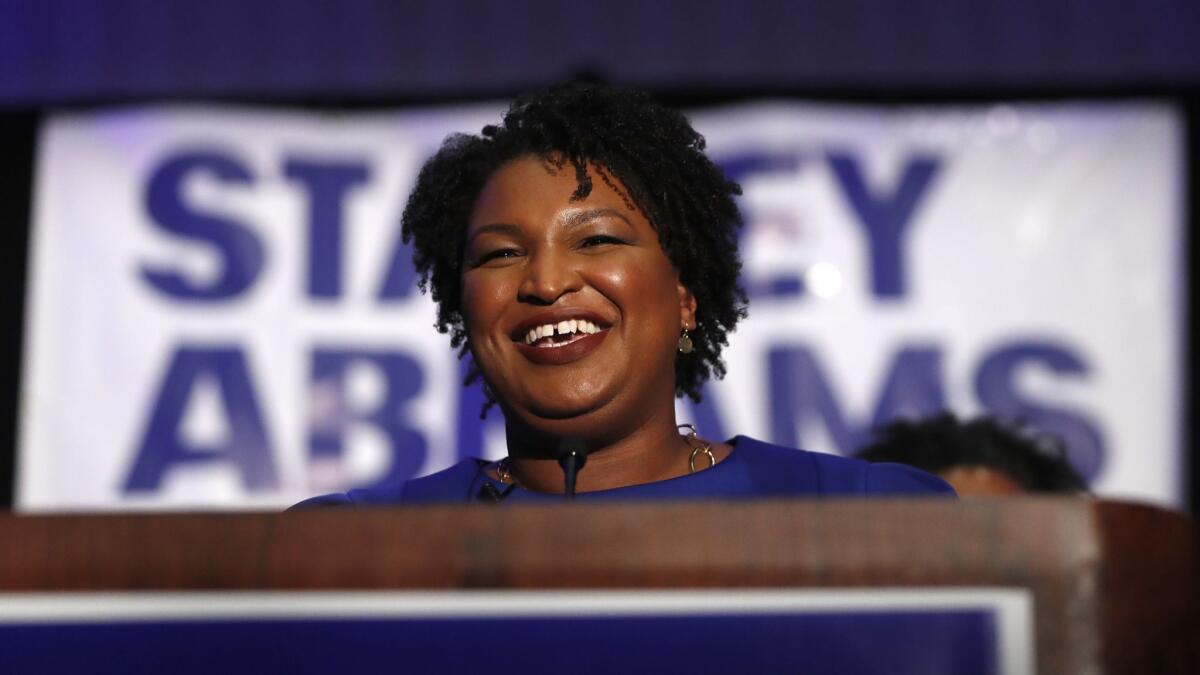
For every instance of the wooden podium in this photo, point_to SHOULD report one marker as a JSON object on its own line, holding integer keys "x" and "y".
{"x": 1113, "y": 586}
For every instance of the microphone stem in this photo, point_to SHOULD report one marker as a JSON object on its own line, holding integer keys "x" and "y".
{"x": 571, "y": 462}
{"x": 569, "y": 478}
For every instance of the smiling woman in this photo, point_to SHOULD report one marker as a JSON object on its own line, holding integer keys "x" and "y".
{"x": 583, "y": 256}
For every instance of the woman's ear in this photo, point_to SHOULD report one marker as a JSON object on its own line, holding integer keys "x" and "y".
{"x": 687, "y": 307}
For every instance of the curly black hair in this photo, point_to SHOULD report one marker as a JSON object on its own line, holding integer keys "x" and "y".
{"x": 1037, "y": 462}
{"x": 646, "y": 147}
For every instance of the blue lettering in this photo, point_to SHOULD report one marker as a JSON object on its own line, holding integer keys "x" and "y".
{"x": 737, "y": 168}
{"x": 403, "y": 380}
{"x": 162, "y": 449}
{"x": 327, "y": 184}
{"x": 996, "y": 387}
{"x": 400, "y": 278}
{"x": 471, "y": 427}
{"x": 885, "y": 218}
{"x": 707, "y": 416}
{"x": 240, "y": 250}
{"x": 800, "y": 394}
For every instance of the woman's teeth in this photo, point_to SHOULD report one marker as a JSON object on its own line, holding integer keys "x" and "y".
{"x": 567, "y": 328}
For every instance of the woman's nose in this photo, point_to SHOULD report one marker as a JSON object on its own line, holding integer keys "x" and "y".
{"x": 548, "y": 276}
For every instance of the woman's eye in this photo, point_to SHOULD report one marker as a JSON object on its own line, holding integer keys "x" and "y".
{"x": 497, "y": 255}
{"x": 600, "y": 240}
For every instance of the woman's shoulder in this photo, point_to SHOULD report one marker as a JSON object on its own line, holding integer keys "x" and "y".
{"x": 452, "y": 484}
{"x": 783, "y": 470}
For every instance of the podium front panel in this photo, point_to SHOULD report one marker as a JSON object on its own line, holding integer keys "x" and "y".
{"x": 832, "y": 631}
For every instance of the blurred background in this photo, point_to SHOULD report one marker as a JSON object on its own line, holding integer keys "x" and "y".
{"x": 984, "y": 207}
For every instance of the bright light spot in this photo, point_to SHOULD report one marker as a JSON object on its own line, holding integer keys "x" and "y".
{"x": 1003, "y": 121}
{"x": 365, "y": 387}
{"x": 1041, "y": 136}
{"x": 1032, "y": 235}
{"x": 823, "y": 279}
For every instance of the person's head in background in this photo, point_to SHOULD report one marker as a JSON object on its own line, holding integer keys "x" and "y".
{"x": 979, "y": 457}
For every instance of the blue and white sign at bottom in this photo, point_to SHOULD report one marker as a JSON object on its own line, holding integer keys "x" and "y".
{"x": 896, "y": 631}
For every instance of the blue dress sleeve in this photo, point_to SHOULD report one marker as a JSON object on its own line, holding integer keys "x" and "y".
{"x": 900, "y": 480}
{"x": 335, "y": 499}
{"x": 379, "y": 496}
{"x": 454, "y": 485}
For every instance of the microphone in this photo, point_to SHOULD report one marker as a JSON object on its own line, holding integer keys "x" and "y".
{"x": 571, "y": 457}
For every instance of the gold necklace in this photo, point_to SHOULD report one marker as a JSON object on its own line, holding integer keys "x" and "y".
{"x": 504, "y": 466}
{"x": 698, "y": 448}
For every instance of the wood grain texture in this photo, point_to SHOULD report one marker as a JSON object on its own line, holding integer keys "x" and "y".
{"x": 1149, "y": 589}
{"x": 1112, "y": 583}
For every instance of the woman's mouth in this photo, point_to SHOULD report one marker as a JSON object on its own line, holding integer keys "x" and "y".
{"x": 551, "y": 336}
{"x": 562, "y": 342}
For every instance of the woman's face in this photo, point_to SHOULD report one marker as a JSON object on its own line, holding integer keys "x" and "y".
{"x": 572, "y": 308}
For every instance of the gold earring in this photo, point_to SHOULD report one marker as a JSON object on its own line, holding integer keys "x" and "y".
{"x": 685, "y": 343}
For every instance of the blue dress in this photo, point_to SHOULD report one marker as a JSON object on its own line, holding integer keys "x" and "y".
{"x": 753, "y": 470}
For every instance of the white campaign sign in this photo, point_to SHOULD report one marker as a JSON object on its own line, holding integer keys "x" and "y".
{"x": 221, "y": 314}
